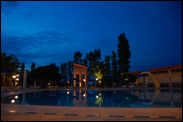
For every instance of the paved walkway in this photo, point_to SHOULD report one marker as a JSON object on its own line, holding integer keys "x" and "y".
{"x": 14, "y": 112}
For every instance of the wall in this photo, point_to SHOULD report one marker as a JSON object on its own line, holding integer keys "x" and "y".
{"x": 163, "y": 77}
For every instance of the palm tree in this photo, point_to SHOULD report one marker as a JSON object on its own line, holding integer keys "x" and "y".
{"x": 10, "y": 62}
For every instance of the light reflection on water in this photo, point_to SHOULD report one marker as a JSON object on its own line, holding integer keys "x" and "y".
{"x": 154, "y": 98}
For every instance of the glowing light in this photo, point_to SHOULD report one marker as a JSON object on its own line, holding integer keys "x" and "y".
{"x": 12, "y": 111}
{"x": 12, "y": 101}
{"x": 83, "y": 79}
{"x": 97, "y": 96}
{"x": 99, "y": 81}
{"x": 100, "y": 94}
{"x": 126, "y": 79}
{"x": 67, "y": 92}
{"x": 17, "y": 78}
{"x": 16, "y": 97}
{"x": 83, "y": 95}
{"x": 127, "y": 97}
{"x": 14, "y": 76}
{"x": 17, "y": 75}
{"x": 96, "y": 78}
{"x": 67, "y": 81}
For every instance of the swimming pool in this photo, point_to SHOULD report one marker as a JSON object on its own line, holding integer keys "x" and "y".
{"x": 140, "y": 98}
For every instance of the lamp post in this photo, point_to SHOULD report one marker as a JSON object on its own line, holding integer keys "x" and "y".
{"x": 68, "y": 83}
{"x": 14, "y": 78}
{"x": 84, "y": 81}
{"x": 96, "y": 80}
{"x": 17, "y": 79}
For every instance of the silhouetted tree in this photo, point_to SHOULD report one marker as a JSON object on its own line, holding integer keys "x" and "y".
{"x": 77, "y": 57}
{"x": 124, "y": 54}
{"x": 33, "y": 66}
{"x": 107, "y": 65}
{"x": 114, "y": 64}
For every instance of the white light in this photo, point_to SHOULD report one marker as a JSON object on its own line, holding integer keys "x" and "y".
{"x": 16, "y": 97}
{"x": 96, "y": 78}
{"x": 67, "y": 92}
{"x": 97, "y": 96}
{"x": 83, "y": 79}
{"x": 83, "y": 95}
{"x": 17, "y": 79}
{"x": 14, "y": 76}
{"x": 12, "y": 101}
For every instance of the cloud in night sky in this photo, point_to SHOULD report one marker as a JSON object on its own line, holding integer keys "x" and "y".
{"x": 46, "y": 32}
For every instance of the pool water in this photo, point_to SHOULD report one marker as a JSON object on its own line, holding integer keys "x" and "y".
{"x": 154, "y": 98}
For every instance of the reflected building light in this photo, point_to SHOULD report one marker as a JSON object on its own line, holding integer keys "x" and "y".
{"x": 12, "y": 101}
{"x": 16, "y": 97}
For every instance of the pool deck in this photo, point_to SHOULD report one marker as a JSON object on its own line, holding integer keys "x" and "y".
{"x": 12, "y": 112}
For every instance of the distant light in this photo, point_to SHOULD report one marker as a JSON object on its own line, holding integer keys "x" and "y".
{"x": 12, "y": 101}
{"x": 126, "y": 79}
{"x": 100, "y": 94}
{"x": 12, "y": 111}
{"x": 16, "y": 97}
{"x": 17, "y": 78}
{"x": 83, "y": 95}
{"x": 67, "y": 81}
{"x": 67, "y": 92}
{"x": 97, "y": 96}
{"x": 17, "y": 75}
{"x": 14, "y": 76}
{"x": 127, "y": 97}
{"x": 99, "y": 81}
{"x": 96, "y": 78}
{"x": 83, "y": 79}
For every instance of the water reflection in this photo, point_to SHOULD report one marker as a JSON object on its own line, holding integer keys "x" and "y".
{"x": 124, "y": 98}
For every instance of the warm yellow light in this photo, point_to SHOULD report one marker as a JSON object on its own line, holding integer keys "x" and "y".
{"x": 83, "y": 95}
{"x": 12, "y": 101}
{"x": 14, "y": 76}
{"x": 17, "y": 78}
{"x": 12, "y": 111}
{"x": 67, "y": 81}
{"x": 96, "y": 78}
{"x": 17, "y": 75}
{"x": 67, "y": 92}
{"x": 97, "y": 96}
{"x": 16, "y": 97}
{"x": 83, "y": 79}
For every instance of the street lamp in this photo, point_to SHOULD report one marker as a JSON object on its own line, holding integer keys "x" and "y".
{"x": 68, "y": 83}
{"x": 84, "y": 80}
{"x": 17, "y": 79}
{"x": 14, "y": 78}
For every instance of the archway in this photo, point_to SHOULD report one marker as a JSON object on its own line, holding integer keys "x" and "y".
{"x": 80, "y": 70}
{"x": 156, "y": 82}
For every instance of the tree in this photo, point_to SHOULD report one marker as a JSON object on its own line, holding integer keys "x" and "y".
{"x": 107, "y": 65}
{"x": 128, "y": 78}
{"x": 77, "y": 57}
{"x": 124, "y": 54}
{"x": 10, "y": 62}
{"x": 46, "y": 73}
{"x": 32, "y": 66}
{"x": 114, "y": 64}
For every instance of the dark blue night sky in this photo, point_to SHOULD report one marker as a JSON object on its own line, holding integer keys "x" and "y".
{"x": 52, "y": 31}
